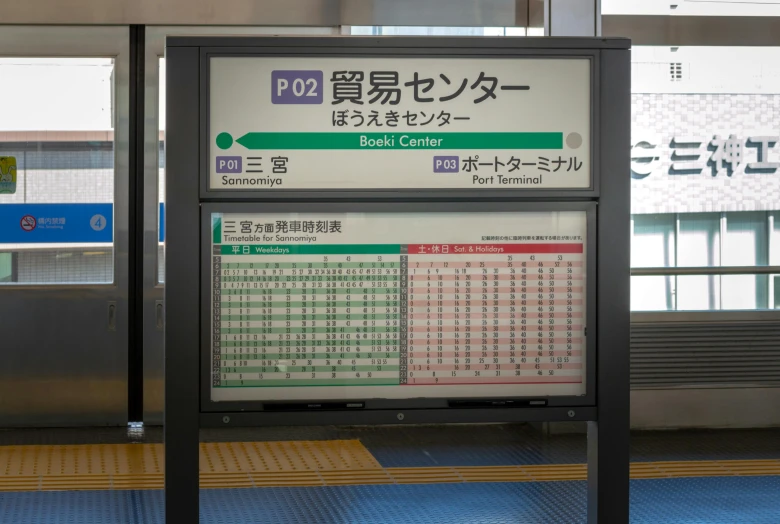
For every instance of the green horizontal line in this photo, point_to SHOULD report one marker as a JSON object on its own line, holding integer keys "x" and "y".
{"x": 228, "y": 304}
{"x": 320, "y": 345}
{"x": 298, "y": 292}
{"x": 278, "y": 318}
{"x": 310, "y": 265}
{"x": 307, "y": 383}
{"x": 302, "y": 356}
{"x": 323, "y": 249}
{"x": 461, "y": 141}
{"x": 312, "y": 278}
{"x": 336, "y": 330}
{"x": 322, "y": 368}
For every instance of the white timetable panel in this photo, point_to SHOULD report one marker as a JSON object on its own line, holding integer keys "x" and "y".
{"x": 393, "y": 305}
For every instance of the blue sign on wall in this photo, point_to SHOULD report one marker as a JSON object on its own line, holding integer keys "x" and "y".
{"x": 61, "y": 223}
{"x": 162, "y": 222}
{"x": 56, "y": 223}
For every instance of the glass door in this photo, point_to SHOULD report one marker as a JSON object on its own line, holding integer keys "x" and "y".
{"x": 154, "y": 195}
{"x": 63, "y": 225}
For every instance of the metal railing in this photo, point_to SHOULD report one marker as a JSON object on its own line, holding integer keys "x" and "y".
{"x": 706, "y": 270}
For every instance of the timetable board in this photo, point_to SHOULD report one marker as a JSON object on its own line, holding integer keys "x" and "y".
{"x": 348, "y": 306}
{"x": 398, "y": 230}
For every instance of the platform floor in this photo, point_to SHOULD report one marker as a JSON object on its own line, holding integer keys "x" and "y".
{"x": 670, "y": 501}
{"x": 452, "y": 474}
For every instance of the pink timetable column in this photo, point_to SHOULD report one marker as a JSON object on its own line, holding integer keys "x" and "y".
{"x": 495, "y": 313}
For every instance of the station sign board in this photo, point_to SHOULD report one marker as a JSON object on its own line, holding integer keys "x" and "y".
{"x": 399, "y": 123}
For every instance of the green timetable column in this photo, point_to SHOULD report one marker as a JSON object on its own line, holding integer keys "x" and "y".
{"x": 216, "y": 353}
{"x": 310, "y": 315}
{"x": 244, "y": 322}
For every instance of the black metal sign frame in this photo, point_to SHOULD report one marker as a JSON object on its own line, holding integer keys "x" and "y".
{"x": 607, "y": 202}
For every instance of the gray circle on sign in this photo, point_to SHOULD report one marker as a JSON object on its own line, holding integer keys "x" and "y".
{"x": 574, "y": 140}
{"x": 98, "y": 222}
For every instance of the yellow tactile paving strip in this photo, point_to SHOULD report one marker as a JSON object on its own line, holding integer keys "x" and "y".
{"x": 299, "y": 463}
{"x": 289, "y": 456}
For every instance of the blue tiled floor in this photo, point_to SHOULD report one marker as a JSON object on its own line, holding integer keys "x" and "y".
{"x": 719, "y": 500}
{"x": 500, "y": 445}
{"x": 67, "y": 507}
{"x": 487, "y": 445}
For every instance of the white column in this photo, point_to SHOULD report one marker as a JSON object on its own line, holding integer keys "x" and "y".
{"x": 572, "y": 17}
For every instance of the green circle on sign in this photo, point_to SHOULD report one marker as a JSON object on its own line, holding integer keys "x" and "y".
{"x": 224, "y": 140}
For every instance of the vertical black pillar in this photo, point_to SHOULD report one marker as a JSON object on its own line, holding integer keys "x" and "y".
{"x": 609, "y": 436}
{"x": 135, "y": 300}
{"x": 182, "y": 295}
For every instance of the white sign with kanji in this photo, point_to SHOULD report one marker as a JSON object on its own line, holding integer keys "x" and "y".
{"x": 390, "y": 123}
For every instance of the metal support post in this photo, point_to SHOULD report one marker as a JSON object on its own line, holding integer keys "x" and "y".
{"x": 182, "y": 407}
{"x": 609, "y": 436}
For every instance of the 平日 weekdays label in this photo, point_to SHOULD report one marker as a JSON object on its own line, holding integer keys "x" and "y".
{"x": 390, "y": 123}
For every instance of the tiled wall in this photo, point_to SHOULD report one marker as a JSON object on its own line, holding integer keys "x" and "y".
{"x": 662, "y": 117}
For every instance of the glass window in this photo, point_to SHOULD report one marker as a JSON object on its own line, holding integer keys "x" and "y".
{"x": 442, "y": 31}
{"x": 745, "y": 243}
{"x": 703, "y": 240}
{"x": 6, "y": 267}
{"x": 652, "y": 245}
{"x": 706, "y": 156}
{"x": 691, "y": 7}
{"x": 773, "y": 225}
{"x": 698, "y": 244}
{"x": 161, "y": 178}
{"x": 56, "y": 224}
{"x": 435, "y": 31}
